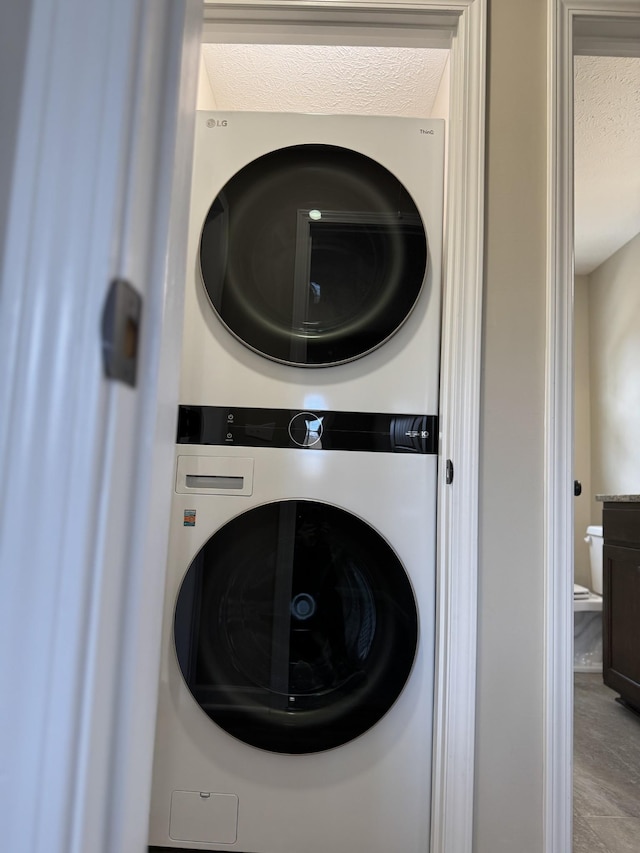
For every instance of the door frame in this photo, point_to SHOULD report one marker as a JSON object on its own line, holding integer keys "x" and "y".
{"x": 596, "y": 27}
{"x": 461, "y": 27}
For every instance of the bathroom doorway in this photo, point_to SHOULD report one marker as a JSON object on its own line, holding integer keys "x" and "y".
{"x": 606, "y": 421}
{"x": 595, "y": 28}
{"x": 607, "y": 226}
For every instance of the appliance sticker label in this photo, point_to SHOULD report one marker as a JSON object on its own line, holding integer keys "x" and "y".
{"x": 189, "y": 518}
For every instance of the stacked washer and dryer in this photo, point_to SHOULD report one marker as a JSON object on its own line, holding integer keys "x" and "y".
{"x": 296, "y": 693}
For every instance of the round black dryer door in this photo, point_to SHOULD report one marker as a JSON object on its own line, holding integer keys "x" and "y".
{"x": 296, "y": 627}
{"x": 313, "y": 255}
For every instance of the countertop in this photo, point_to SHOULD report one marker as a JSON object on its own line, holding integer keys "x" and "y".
{"x": 621, "y": 499}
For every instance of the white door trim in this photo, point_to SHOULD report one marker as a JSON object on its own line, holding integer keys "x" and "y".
{"x": 462, "y": 27}
{"x": 575, "y": 26}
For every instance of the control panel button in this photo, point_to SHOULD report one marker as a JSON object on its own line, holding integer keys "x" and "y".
{"x": 305, "y": 429}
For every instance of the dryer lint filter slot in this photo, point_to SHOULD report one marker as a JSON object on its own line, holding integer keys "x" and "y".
{"x": 214, "y": 475}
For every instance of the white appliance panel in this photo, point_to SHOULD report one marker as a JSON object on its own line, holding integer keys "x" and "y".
{"x": 372, "y": 793}
{"x": 401, "y": 375}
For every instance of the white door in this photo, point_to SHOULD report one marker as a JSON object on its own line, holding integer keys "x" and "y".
{"x": 81, "y": 571}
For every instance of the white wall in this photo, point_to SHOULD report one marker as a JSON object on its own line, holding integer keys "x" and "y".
{"x": 509, "y": 767}
{"x": 614, "y": 332}
{"x": 607, "y": 389}
{"x": 205, "y": 99}
{"x": 440, "y": 108}
{"x": 582, "y": 434}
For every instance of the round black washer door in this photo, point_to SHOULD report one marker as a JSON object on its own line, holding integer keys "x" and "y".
{"x": 313, "y": 255}
{"x": 296, "y": 627}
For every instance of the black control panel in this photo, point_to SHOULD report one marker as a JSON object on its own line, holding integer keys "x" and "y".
{"x": 309, "y": 430}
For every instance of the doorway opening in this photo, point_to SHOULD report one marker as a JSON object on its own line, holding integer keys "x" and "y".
{"x": 606, "y": 417}
{"x": 460, "y": 32}
{"x": 590, "y": 29}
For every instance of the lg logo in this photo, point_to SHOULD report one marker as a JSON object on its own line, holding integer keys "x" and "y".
{"x": 212, "y": 122}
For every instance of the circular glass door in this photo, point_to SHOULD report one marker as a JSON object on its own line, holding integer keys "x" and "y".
{"x": 313, "y": 255}
{"x": 296, "y": 627}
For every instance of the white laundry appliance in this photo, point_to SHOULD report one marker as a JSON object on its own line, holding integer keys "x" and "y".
{"x": 296, "y": 692}
{"x": 314, "y": 262}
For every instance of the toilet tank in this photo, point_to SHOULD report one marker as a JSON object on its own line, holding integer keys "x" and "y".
{"x": 594, "y": 540}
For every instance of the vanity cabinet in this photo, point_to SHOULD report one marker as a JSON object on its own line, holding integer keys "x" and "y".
{"x": 621, "y": 599}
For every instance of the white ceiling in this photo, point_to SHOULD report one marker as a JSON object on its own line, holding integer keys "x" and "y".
{"x": 406, "y": 81}
{"x": 324, "y": 79}
{"x": 607, "y": 157}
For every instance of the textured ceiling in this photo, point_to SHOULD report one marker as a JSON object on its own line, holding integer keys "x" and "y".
{"x": 323, "y": 79}
{"x": 607, "y": 157}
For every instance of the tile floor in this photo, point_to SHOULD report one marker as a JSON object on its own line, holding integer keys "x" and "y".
{"x": 606, "y": 780}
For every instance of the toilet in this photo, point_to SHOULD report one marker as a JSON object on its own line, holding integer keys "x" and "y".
{"x": 587, "y": 610}
{"x": 595, "y": 541}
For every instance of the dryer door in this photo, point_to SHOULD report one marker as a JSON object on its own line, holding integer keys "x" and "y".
{"x": 296, "y": 627}
{"x": 313, "y": 255}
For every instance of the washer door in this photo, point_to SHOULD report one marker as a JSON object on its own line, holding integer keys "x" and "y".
{"x": 313, "y": 255}
{"x": 296, "y": 627}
